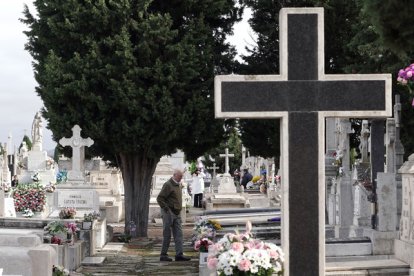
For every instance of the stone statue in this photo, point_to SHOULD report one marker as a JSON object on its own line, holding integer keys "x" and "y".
{"x": 363, "y": 146}
{"x": 37, "y": 128}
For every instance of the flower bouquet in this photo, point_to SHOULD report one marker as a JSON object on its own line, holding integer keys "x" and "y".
{"x": 61, "y": 177}
{"x": 240, "y": 254}
{"x": 406, "y": 78}
{"x": 59, "y": 271}
{"x": 88, "y": 219}
{"x": 31, "y": 196}
{"x": 202, "y": 245}
{"x": 67, "y": 213}
{"x": 91, "y": 216}
{"x": 205, "y": 228}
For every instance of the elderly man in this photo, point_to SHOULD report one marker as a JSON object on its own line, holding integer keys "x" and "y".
{"x": 170, "y": 201}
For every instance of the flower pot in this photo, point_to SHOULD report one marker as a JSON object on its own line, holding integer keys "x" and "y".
{"x": 87, "y": 225}
{"x": 203, "y": 258}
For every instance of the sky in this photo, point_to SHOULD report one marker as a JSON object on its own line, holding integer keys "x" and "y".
{"x": 18, "y": 99}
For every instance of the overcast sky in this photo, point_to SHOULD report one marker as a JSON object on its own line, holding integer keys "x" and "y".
{"x": 18, "y": 99}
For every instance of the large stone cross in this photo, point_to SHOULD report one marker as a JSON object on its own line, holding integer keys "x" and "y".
{"x": 226, "y": 156}
{"x": 78, "y": 155}
{"x": 302, "y": 96}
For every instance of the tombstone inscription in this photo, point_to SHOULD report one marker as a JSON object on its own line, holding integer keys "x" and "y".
{"x": 302, "y": 99}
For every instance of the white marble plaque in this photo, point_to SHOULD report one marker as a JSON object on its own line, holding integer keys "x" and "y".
{"x": 76, "y": 198}
{"x": 101, "y": 181}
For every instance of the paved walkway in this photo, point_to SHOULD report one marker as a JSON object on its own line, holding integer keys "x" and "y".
{"x": 141, "y": 255}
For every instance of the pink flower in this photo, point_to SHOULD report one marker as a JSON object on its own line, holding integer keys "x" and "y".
{"x": 244, "y": 265}
{"x": 273, "y": 254}
{"x": 212, "y": 262}
{"x": 237, "y": 246}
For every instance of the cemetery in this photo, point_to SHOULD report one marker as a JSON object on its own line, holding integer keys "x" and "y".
{"x": 323, "y": 207}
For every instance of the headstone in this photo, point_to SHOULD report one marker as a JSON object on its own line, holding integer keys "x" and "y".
{"x": 226, "y": 157}
{"x": 78, "y": 155}
{"x": 297, "y": 100}
{"x": 214, "y": 168}
{"x": 76, "y": 191}
{"x": 108, "y": 183}
{"x": 162, "y": 173}
{"x": 345, "y": 204}
{"x": 404, "y": 245}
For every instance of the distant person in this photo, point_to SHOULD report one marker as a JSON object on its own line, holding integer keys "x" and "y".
{"x": 170, "y": 201}
{"x": 246, "y": 178}
{"x": 236, "y": 176}
{"x": 197, "y": 188}
{"x": 15, "y": 181}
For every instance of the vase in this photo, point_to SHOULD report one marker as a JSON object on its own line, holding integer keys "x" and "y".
{"x": 203, "y": 258}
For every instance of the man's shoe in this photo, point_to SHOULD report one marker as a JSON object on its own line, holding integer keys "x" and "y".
{"x": 165, "y": 259}
{"x": 181, "y": 258}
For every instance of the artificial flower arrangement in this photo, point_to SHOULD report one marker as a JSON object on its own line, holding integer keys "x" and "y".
{"x": 202, "y": 244}
{"x": 205, "y": 228}
{"x": 61, "y": 177}
{"x": 406, "y": 77}
{"x": 241, "y": 254}
{"x": 6, "y": 187}
{"x": 50, "y": 188}
{"x": 59, "y": 271}
{"x": 55, "y": 227}
{"x": 29, "y": 196}
{"x": 27, "y": 213}
{"x": 67, "y": 213}
{"x": 72, "y": 227}
{"x": 91, "y": 216}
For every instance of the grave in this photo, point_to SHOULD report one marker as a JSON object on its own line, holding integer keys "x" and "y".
{"x": 23, "y": 253}
{"x": 302, "y": 102}
{"x": 76, "y": 192}
{"x": 227, "y": 196}
{"x": 36, "y": 160}
{"x": 404, "y": 244}
{"x": 108, "y": 183}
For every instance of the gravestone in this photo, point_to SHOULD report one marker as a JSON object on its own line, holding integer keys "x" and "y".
{"x": 345, "y": 199}
{"x": 227, "y": 196}
{"x": 76, "y": 192}
{"x": 163, "y": 172}
{"x": 302, "y": 101}
{"x": 108, "y": 183}
{"x": 404, "y": 245}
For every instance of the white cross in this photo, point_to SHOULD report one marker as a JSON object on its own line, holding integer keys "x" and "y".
{"x": 78, "y": 155}
{"x": 214, "y": 167}
{"x": 226, "y": 156}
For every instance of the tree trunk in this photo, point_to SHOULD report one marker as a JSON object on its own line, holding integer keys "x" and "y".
{"x": 137, "y": 171}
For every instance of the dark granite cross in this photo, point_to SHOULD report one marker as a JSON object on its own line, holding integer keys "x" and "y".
{"x": 302, "y": 96}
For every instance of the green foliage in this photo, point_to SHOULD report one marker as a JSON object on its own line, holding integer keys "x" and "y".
{"x": 392, "y": 20}
{"x": 28, "y": 142}
{"x": 55, "y": 227}
{"x": 136, "y": 76}
{"x": 233, "y": 143}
